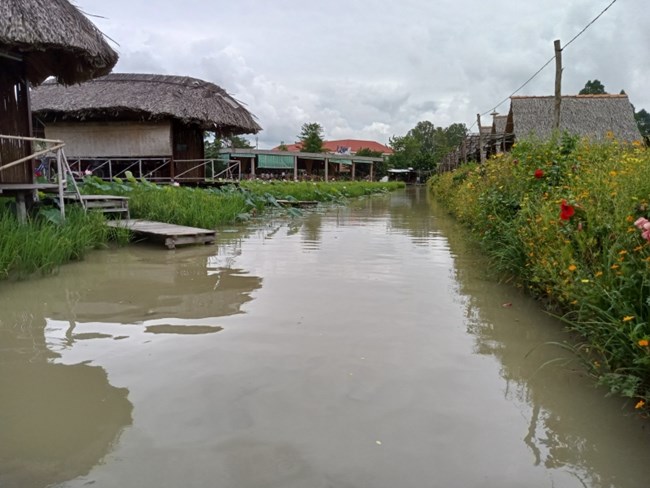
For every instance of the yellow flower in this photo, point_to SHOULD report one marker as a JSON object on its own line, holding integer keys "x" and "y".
{"x": 572, "y": 267}
{"x": 629, "y": 218}
{"x": 643, "y": 342}
{"x": 614, "y": 266}
{"x": 627, "y": 318}
{"x": 622, "y": 252}
{"x": 599, "y": 273}
{"x": 612, "y": 173}
{"x": 584, "y": 281}
{"x": 640, "y": 404}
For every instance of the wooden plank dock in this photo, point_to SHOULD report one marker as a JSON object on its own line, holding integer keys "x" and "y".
{"x": 170, "y": 235}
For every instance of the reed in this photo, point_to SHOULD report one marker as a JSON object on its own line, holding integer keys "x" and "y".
{"x": 41, "y": 246}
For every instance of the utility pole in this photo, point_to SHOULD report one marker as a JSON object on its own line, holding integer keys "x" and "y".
{"x": 480, "y": 138}
{"x": 558, "y": 84}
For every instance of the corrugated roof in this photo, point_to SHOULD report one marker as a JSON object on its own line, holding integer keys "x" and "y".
{"x": 350, "y": 145}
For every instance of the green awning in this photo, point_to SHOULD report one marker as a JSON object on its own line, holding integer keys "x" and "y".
{"x": 347, "y": 162}
{"x": 362, "y": 162}
{"x": 273, "y": 161}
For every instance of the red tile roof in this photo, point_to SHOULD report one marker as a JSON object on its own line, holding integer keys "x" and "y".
{"x": 343, "y": 145}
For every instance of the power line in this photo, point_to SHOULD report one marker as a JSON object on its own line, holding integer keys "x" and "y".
{"x": 546, "y": 64}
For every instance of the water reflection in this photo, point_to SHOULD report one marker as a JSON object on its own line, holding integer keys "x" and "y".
{"x": 56, "y": 421}
{"x": 154, "y": 287}
{"x": 569, "y": 423}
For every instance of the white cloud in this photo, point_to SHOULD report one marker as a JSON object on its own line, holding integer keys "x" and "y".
{"x": 373, "y": 69}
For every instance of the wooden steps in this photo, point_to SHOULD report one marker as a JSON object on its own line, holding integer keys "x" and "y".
{"x": 103, "y": 203}
{"x": 168, "y": 234}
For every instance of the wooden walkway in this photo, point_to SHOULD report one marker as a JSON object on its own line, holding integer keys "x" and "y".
{"x": 169, "y": 234}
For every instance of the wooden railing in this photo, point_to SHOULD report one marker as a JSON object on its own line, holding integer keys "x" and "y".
{"x": 53, "y": 149}
{"x": 151, "y": 168}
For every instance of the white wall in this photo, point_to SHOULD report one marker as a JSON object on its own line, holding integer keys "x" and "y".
{"x": 112, "y": 139}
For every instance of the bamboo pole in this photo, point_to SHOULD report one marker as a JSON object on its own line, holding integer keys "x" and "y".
{"x": 558, "y": 84}
{"x": 61, "y": 180}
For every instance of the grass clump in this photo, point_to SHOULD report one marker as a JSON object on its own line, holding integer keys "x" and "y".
{"x": 42, "y": 244}
{"x": 557, "y": 218}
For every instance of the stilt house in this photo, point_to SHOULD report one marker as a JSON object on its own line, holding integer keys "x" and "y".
{"x": 158, "y": 120}
{"x": 38, "y": 39}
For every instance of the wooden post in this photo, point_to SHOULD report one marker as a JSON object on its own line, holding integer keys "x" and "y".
{"x": 354, "y": 170}
{"x": 327, "y": 163}
{"x": 558, "y": 84}
{"x": 253, "y": 167}
{"x": 295, "y": 168}
{"x": 480, "y": 139}
{"x": 61, "y": 176}
{"x": 372, "y": 170}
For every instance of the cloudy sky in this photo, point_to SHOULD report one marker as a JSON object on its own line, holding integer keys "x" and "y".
{"x": 371, "y": 69}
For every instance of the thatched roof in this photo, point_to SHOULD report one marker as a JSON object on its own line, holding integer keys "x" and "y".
{"x": 499, "y": 124}
{"x": 145, "y": 97}
{"x": 54, "y": 39}
{"x": 592, "y": 116}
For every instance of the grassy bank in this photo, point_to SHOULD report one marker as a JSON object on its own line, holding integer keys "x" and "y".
{"x": 558, "y": 218}
{"x": 41, "y": 245}
{"x": 213, "y": 207}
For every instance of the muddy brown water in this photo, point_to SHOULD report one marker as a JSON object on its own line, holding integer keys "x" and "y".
{"x": 359, "y": 346}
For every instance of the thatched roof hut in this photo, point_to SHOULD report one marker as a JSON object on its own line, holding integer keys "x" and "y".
{"x": 38, "y": 39}
{"x": 145, "y": 97}
{"x": 53, "y": 38}
{"x": 592, "y": 116}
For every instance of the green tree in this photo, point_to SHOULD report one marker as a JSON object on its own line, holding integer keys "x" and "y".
{"x": 311, "y": 137}
{"x": 213, "y": 144}
{"x": 643, "y": 123}
{"x": 425, "y": 145}
{"x": 282, "y": 146}
{"x": 594, "y": 87}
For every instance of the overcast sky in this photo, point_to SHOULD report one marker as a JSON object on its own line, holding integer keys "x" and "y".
{"x": 371, "y": 69}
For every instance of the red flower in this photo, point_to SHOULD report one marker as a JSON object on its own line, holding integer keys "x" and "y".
{"x": 539, "y": 173}
{"x": 566, "y": 210}
{"x": 38, "y": 174}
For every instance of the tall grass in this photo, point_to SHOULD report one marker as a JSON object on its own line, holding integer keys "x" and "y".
{"x": 41, "y": 246}
{"x": 588, "y": 264}
{"x": 213, "y": 207}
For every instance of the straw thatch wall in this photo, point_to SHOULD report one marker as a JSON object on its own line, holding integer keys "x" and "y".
{"x": 123, "y": 96}
{"x": 499, "y": 124}
{"x": 53, "y": 38}
{"x": 592, "y": 116}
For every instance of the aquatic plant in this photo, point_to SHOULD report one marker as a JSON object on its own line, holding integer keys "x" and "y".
{"x": 41, "y": 245}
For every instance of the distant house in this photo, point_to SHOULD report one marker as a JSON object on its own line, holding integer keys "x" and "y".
{"x": 145, "y": 117}
{"x": 347, "y": 146}
{"x": 592, "y": 116}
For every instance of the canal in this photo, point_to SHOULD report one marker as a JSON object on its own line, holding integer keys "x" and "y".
{"x": 353, "y": 347}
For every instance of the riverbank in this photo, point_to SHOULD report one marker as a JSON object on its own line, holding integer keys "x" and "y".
{"x": 44, "y": 243}
{"x": 558, "y": 219}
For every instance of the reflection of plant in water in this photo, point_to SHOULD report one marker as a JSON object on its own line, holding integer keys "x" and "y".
{"x": 57, "y": 421}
